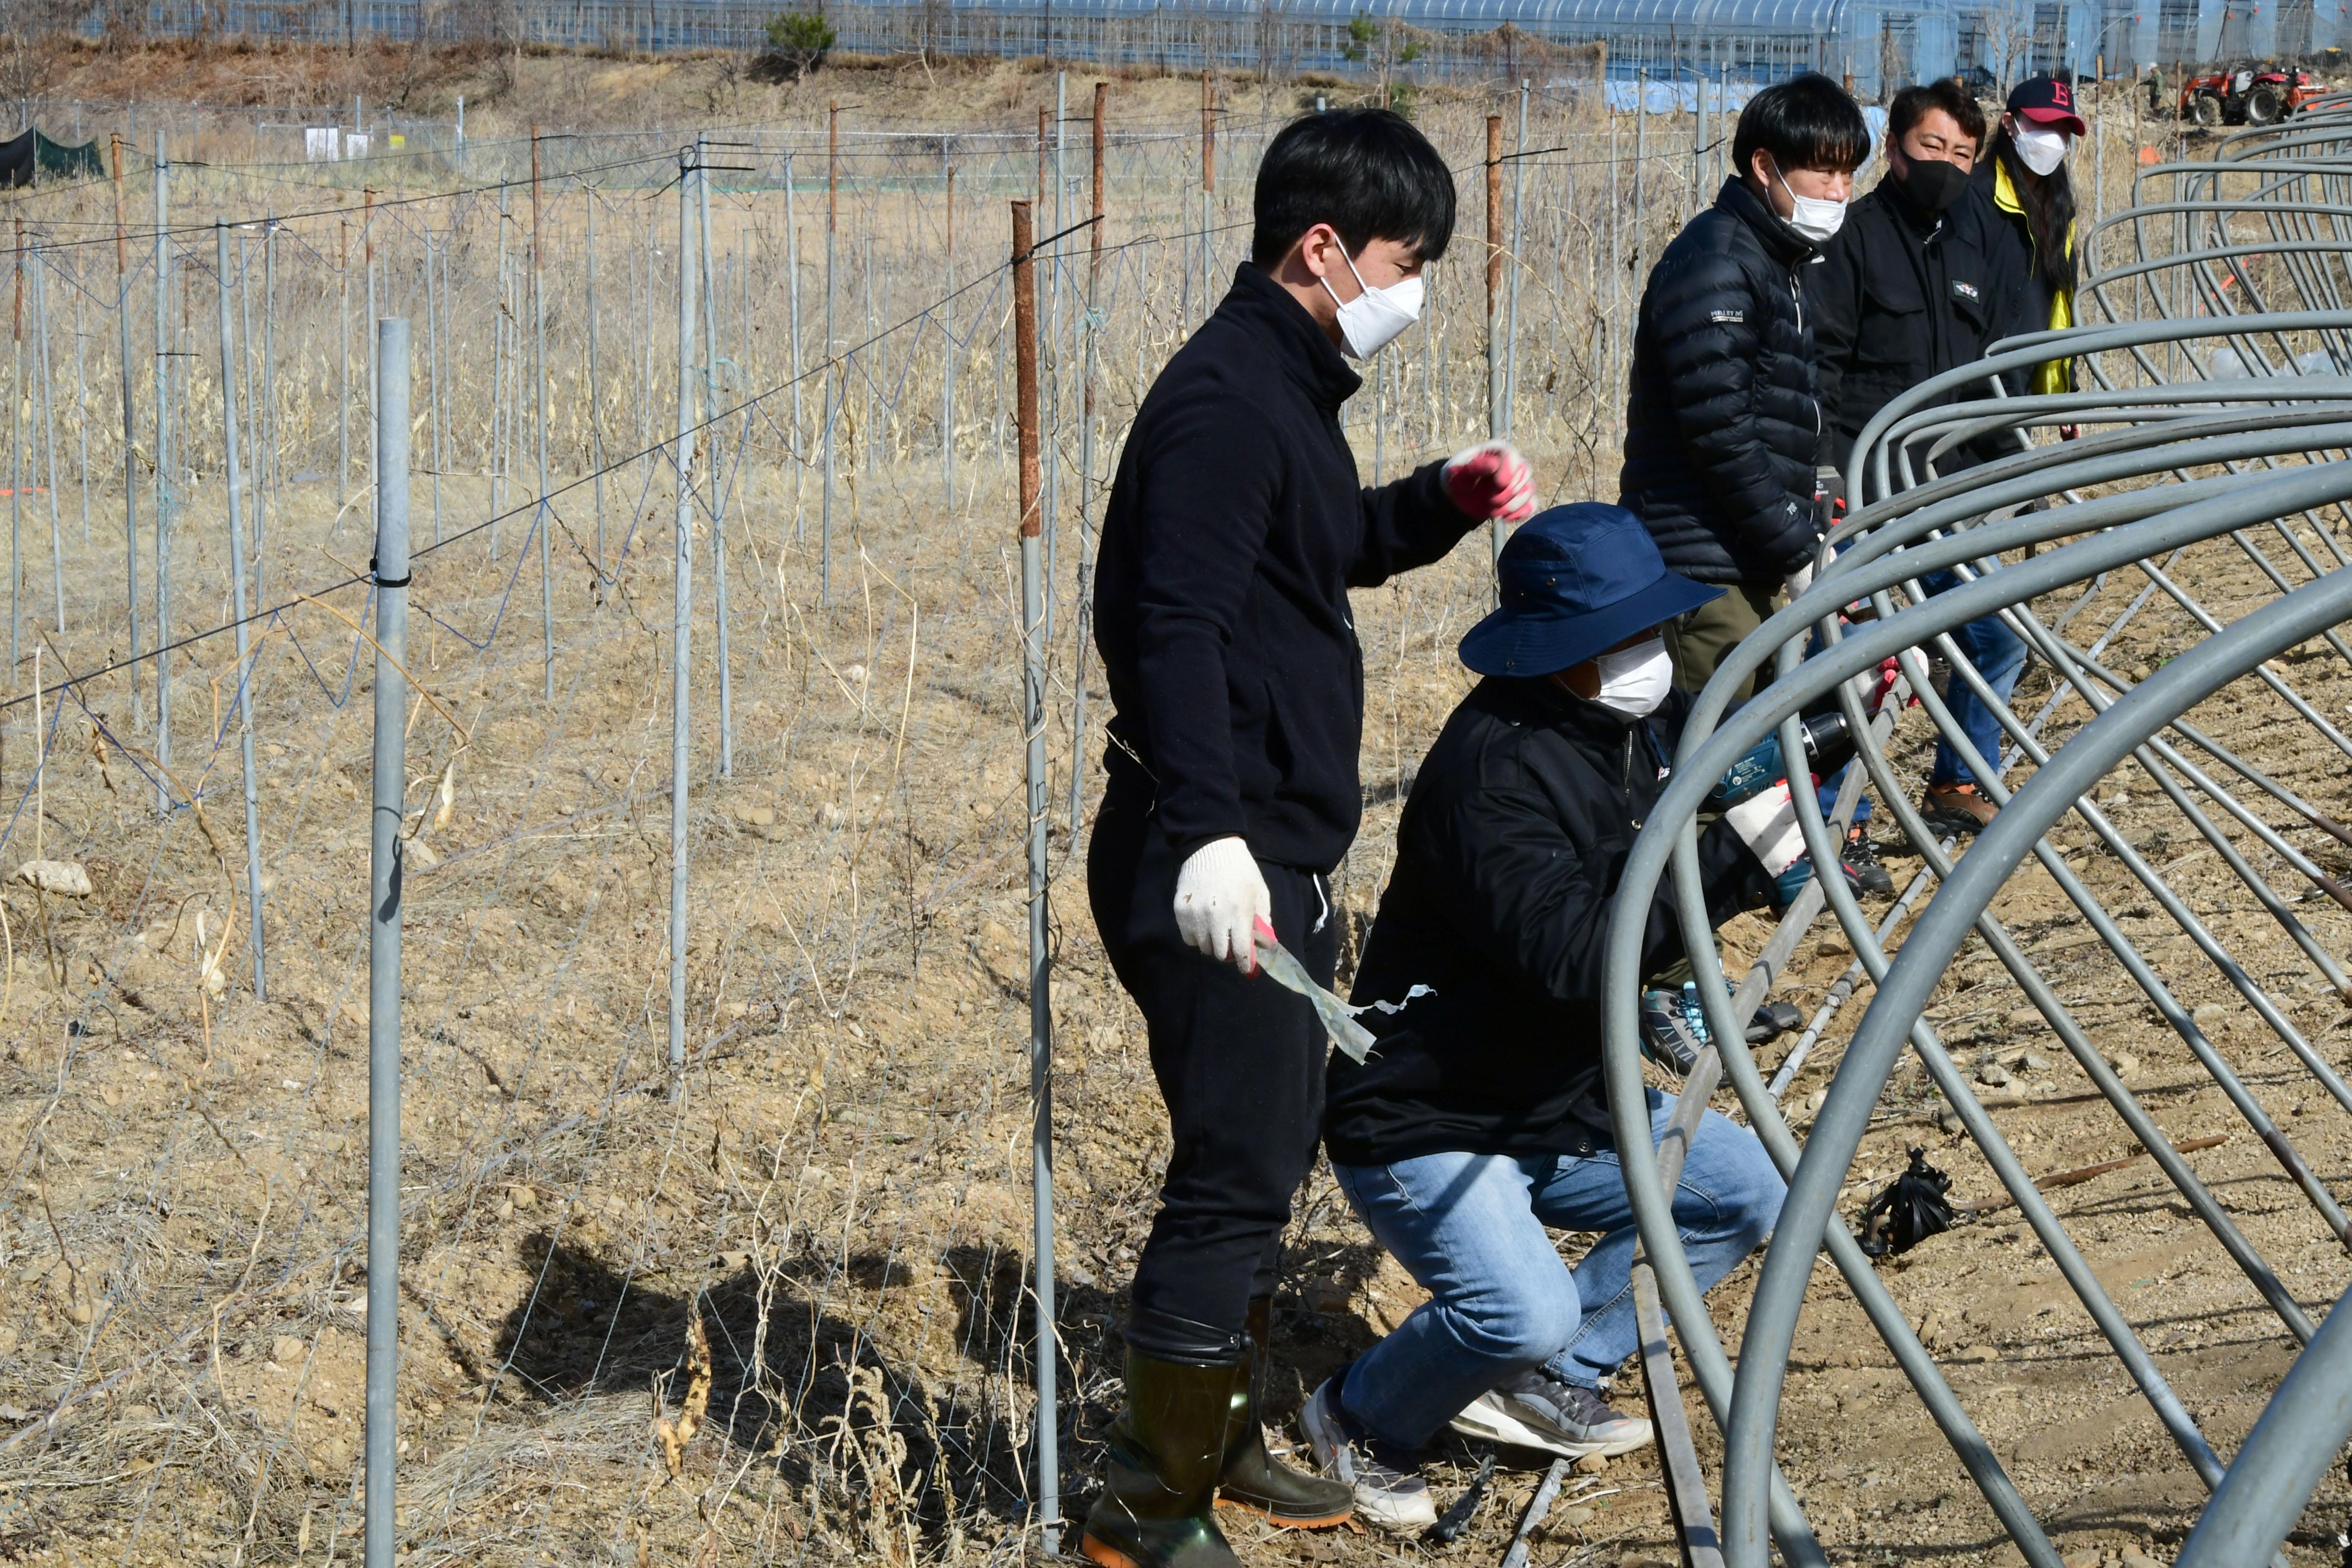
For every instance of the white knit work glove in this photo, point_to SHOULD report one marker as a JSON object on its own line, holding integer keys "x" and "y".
{"x": 1797, "y": 581}
{"x": 1767, "y": 824}
{"x": 1221, "y": 897}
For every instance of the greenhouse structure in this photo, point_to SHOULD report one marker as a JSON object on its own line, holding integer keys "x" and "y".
{"x": 1875, "y": 46}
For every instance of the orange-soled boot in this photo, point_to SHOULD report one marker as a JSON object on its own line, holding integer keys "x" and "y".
{"x": 1166, "y": 1450}
{"x": 1253, "y": 1477}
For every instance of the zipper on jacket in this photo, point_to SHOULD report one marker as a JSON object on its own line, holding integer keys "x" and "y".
{"x": 1797, "y": 294}
{"x": 1626, "y": 780}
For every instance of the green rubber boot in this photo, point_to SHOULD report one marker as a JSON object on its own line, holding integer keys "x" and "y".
{"x": 1256, "y": 1479}
{"x": 1166, "y": 1450}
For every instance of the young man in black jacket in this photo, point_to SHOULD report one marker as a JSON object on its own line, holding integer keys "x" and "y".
{"x": 1480, "y": 1117}
{"x": 1722, "y": 426}
{"x": 1237, "y": 526}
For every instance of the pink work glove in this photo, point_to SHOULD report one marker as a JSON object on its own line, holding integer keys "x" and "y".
{"x": 1491, "y": 483}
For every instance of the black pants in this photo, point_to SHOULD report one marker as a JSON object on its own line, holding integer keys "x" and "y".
{"x": 1240, "y": 1066}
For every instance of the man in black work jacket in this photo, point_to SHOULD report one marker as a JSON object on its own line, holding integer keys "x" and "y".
{"x": 1235, "y": 528}
{"x": 1903, "y": 290}
{"x": 1480, "y": 1121}
{"x": 1723, "y": 426}
{"x": 1916, "y": 285}
{"x": 1905, "y": 293}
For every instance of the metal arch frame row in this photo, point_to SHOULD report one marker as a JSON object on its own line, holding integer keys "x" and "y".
{"x": 2281, "y": 441}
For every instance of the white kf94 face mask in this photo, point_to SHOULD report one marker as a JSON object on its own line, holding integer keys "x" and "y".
{"x": 2039, "y": 150}
{"x": 1635, "y": 681}
{"x": 1815, "y": 217}
{"x": 1372, "y": 321}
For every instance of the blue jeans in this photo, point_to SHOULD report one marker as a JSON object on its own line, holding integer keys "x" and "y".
{"x": 1471, "y": 1229}
{"x": 1997, "y": 655}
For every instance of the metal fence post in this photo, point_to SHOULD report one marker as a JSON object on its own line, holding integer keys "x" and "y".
{"x": 237, "y": 601}
{"x": 710, "y": 406}
{"x": 1041, "y": 1007}
{"x": 1498, "y": 421}
{"x": 825, "y": 410}
{"x": 544, "y": 520}
{"x": 129, "y": 442}
{"x": 681, "y": 630}
{"x": 1089, "y": 355}
{"x": 162, "y": 458}
{"x": 391, "y": 473}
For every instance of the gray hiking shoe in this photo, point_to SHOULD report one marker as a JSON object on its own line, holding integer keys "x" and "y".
{"x": 1673, "y": 1029}
{"x": 1389, "y": 1489}
{"x": 1536, "y": 1410}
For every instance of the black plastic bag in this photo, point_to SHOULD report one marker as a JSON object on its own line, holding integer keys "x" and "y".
{"x": 1911, "y": 1209}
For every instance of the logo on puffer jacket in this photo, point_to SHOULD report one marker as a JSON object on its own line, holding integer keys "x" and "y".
{"x": 1727, "y": 318}
{"x": 1964, "y": 290}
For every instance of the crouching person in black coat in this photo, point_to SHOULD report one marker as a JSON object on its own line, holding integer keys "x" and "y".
{"x": 1480, "y": 1121}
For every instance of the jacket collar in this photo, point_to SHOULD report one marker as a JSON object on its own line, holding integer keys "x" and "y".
{"x": 1888, "y": 193}
{"x": 2005, "y": 198}
{"x": 1264, "y": 310}
{"x": 2004, "y": 190}
{"x": 1782, "y": 243}
{"x": 1537, "y": 699}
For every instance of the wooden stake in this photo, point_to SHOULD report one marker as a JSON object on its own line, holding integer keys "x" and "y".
{"x": 1024, "y": 336}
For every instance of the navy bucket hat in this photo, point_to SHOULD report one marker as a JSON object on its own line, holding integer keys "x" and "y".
{"x": 1575, "y": 581}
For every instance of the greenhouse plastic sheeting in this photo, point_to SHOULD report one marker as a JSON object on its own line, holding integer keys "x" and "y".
{"x": 32, "y": 158}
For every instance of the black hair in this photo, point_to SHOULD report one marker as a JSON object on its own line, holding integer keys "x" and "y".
{"x": 1365, "y": 171}
{"x": 2049, "y": 203}
{"x": 1912, "y": 104}
{"x": 1805, "y": 122}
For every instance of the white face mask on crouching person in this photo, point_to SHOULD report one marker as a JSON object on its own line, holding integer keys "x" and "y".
{"x": 1372, "y": 321}
{"x": 1635, "y": 681}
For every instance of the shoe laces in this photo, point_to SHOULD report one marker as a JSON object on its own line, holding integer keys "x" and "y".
{"x": 1583, "y": 1406}
{"x": 1694, "y": 1015}
{"x": 1576, "y": 1404}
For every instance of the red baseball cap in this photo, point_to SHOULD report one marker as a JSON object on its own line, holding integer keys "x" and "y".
{"x": 2047, "y": 101}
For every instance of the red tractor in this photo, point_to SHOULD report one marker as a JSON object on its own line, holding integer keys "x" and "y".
{"x": 2244, "y": 95}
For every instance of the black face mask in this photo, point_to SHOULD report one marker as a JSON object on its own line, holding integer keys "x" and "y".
{"x": 1931, "y": 185}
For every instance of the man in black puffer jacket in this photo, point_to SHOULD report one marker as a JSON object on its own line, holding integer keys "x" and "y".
{"x": 1724, "y": 426}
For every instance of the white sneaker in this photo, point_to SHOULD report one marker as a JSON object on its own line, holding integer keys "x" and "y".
{"x": 1387, "y": 1486}
{"x": 1536, "y": 1410}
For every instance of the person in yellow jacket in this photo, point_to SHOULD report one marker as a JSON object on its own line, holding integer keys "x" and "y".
{"x": 2028, "y": 218}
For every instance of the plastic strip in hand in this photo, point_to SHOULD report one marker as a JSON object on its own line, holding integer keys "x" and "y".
{"x": 1283, "y": 966}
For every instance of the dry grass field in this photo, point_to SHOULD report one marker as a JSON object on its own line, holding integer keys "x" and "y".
{"x": 781, "y": 1316}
